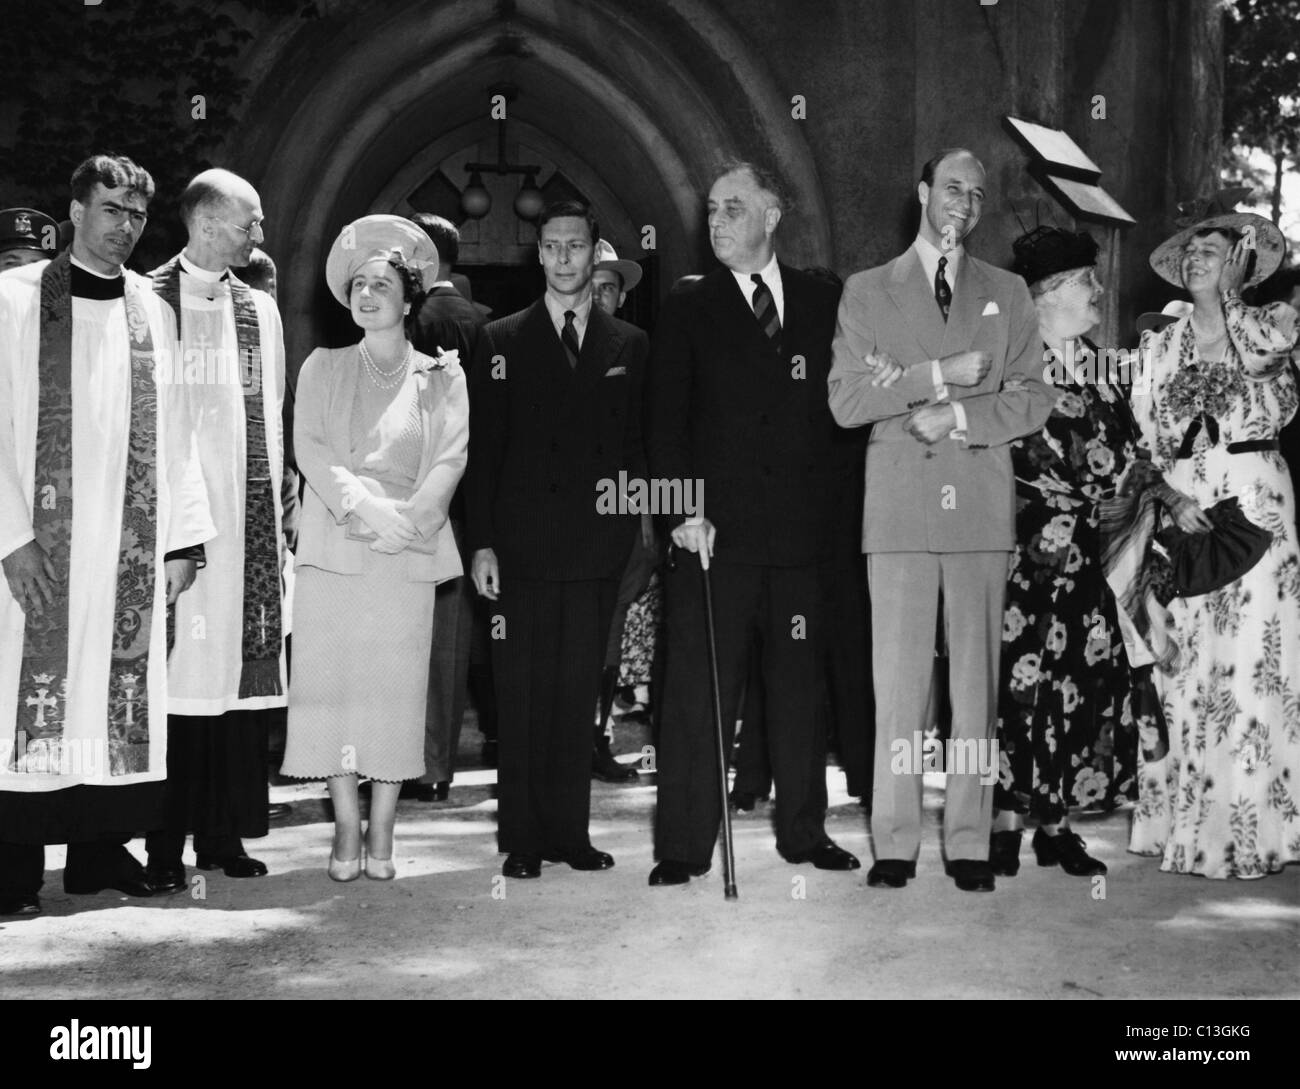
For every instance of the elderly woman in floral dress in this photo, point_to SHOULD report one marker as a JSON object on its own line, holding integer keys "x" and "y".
{"x": 1069, "y": 702}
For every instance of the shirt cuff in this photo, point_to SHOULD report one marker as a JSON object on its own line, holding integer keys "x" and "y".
{"x": 936, "y": 376}
{"x": 958, "y": 432}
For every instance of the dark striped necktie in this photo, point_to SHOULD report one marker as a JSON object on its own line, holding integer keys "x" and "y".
{"x": 765, "y": 310}
{"x": 942, "y": 292}
{"x": 569, "y": 337}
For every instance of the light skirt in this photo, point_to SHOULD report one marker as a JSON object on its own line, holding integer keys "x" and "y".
{"x": 360, "y": 673}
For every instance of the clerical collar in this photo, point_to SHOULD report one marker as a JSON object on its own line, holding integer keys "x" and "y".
{"x": 206, "y": 275}
{"x": 86, "y": 283}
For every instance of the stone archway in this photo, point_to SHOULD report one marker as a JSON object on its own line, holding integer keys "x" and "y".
{"x": 348, "y": 103}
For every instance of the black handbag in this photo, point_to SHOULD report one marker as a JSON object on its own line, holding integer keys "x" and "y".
{"x": 1203, "y": 562}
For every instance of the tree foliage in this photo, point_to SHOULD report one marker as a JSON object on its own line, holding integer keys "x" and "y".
{"x": 76, "y": 79}
{"x": 1261, "y": 107}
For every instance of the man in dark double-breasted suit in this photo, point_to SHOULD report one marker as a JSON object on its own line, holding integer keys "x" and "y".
{"x": 737, "y": 401}
{"x": 555, "y": 405}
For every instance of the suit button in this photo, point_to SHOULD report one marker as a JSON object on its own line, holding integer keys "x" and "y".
{"x": 600, "y": 449}
{"x": 554, "y": 488}
{"x": 767, "y": 470}
{"x": 555, "y": 448}
{"x": 928, "y": 453}
{"x": 763, "y": 418}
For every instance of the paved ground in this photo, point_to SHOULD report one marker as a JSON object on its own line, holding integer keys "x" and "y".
{"x": 450, "y": 926}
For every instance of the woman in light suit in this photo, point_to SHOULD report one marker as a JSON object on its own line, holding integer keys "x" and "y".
{"x": 381, "y": 433}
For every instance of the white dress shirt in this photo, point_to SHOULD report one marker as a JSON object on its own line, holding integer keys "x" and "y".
{"x": 929, "y": 258}
{"x": 556, "y": 306}
{"x": 771, "y": 273}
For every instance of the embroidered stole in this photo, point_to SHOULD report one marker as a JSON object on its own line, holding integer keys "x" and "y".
{"x": 262, "y": 636}
{"x": 43, "y": 683}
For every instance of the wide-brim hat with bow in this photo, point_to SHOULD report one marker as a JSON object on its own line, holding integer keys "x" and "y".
{"x": 607, "y": 258}
{"x": 1219, "y": 211}
{"x": 378, "y": 236}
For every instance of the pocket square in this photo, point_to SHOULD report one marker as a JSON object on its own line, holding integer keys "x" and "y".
{"x": 614, "y": 372}
{"x": 990, "y": 307}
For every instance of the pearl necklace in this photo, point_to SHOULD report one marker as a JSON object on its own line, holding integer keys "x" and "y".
{"x": 382, "y": 379}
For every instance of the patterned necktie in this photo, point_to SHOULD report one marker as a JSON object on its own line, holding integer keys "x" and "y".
{"x": 569, "y": 337}
{"x": 765, "y": 310}
{"x": 942, "y": 292}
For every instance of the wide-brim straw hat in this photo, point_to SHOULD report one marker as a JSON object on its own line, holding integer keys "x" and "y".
{"x": 1218, "y": 212}
{"x": 378, "y": 236}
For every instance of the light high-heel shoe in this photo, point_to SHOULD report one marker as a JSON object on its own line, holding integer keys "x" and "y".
{"x": 344, "y": 869}
{"x": 380, "y": 869}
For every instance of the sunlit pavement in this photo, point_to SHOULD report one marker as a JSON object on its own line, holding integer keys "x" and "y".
{"x": 451, "y": 926}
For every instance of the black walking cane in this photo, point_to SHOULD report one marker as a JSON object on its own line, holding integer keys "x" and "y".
{"x": 728, "y": 847}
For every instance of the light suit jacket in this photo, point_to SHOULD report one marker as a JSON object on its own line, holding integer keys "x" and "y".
{"x": 954, "y": 495}
{"x": 322, "y": 442}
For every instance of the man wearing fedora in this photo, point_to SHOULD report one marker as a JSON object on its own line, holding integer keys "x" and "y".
{"x": 611, "y": 280}
{"x": 939, "y": 499}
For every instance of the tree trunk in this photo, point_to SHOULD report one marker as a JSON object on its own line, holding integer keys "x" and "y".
{"x": 1277, "y": 187}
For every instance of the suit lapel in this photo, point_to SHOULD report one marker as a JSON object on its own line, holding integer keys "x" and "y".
{"x": 968, "y": 299}
{"x": 538, "y": 330}
{"x": 736, "y": 310}
{"x": 915, "y": 299}
{"x": 599, "y": 345}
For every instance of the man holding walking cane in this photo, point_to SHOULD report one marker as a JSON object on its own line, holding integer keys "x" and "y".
{"x": 737, "y": 378}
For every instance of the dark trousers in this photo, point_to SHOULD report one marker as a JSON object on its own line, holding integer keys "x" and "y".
{"x": 22, "y": 865}
{"x": 845, "y": 698}
{"x": 216, "y": 785}
{"x": 444, "y": 710}
{"x": 546, "y": 667}
{"x": 782, "y": 607}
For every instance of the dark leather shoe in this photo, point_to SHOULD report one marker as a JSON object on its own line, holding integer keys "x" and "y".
{"x": 169, "y": 878}
{"x": 827, "y": 856}
{"x": 415, "y": 791}
{"x": 971, "y": 874}
{"x": 232, "y": 865}
{"x": 608, "y": 770}
{"x": 890, "y": 873}
{"x": 1066, "y": 848}
{"x": 518, "y": 865}
{"x": 1004, "y": 853}
{"x": 745, "y": 800}
{"x": 669, "y": 872}
{"x": 20, "y": 906}
{"x": 278, "y": 811}
{"x": 587, "y": 859}
{"x": 441, "y": 789}
{"x": 132, "y": 884}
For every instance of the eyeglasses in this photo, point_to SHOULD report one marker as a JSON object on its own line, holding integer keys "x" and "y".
{"x": 257, "y": 225}
{"x": 1083, "y": 276}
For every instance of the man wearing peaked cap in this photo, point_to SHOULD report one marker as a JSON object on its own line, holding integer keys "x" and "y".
{"x": 26, "y": 235}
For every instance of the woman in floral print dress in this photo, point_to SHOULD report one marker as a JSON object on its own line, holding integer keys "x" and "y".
{"x": 1068, "y": 700}
{"x": 1225, "y": 802}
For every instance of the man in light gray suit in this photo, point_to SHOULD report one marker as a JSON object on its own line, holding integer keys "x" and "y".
{"x": 941, "y": 352}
